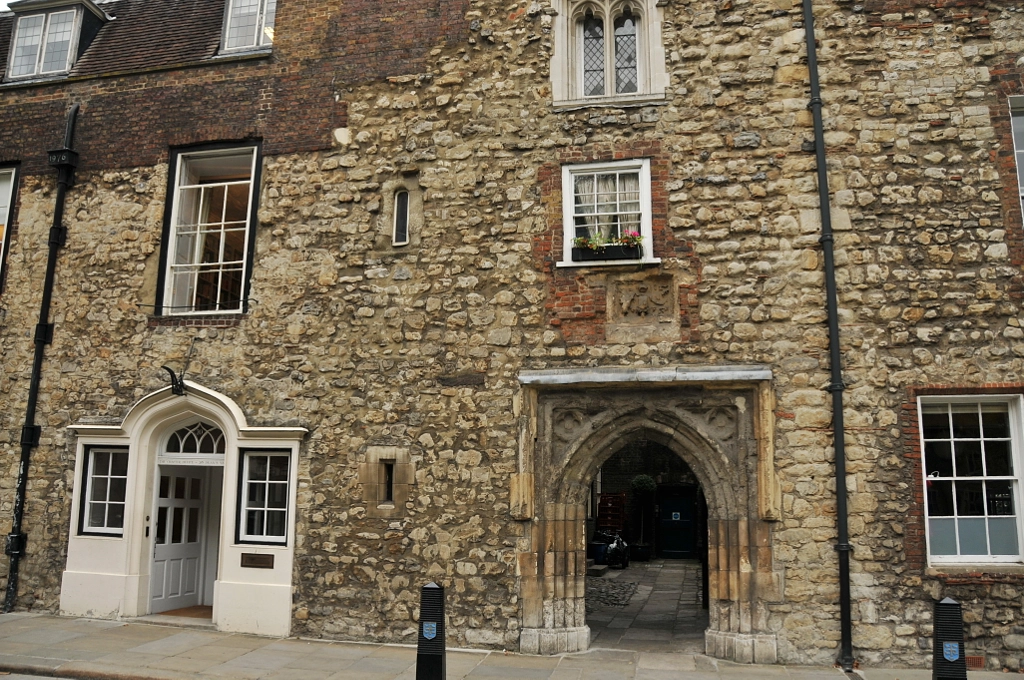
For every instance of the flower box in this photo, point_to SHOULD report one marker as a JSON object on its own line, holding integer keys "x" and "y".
{"x": 609, "y": 252}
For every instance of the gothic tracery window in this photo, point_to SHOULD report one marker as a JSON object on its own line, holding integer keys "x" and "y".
{"x": 199, "y": 438}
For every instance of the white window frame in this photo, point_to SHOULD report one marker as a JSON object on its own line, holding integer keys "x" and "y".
{"x": 264, "y": 35}
{"x": 567, "y": 55}
{"x": 243, "y": 497}
{"x": 88, "y": 502}
{"x": 37, "y": 71}
{"x": 6, "y": 216}
{"x": 1016, "y": 418}
{"x": 188, "y": 262}
{"x": 569, "y": 172}
{"x": 1017, "y": 131}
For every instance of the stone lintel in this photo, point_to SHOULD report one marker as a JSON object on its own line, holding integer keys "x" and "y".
{"x": 674, "y": 374}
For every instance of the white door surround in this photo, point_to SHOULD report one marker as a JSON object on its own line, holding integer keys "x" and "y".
{"x": 111, "y": 576}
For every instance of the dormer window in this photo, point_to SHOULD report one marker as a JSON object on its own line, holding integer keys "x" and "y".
{"x": 249, "y": 24}
{"x": 43, "y": 43}
{"x": 50, "y": 35}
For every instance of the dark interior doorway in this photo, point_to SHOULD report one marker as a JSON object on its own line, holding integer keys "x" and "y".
{"x": 659, "y": 603}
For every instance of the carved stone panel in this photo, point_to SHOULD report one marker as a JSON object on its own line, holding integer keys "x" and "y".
{"x": 643, "y": 309}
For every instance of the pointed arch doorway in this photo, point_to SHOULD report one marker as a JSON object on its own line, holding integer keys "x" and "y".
{"x": 719, "y": 421}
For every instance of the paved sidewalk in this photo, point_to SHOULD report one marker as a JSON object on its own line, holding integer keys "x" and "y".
{"x": 36, "y": 644}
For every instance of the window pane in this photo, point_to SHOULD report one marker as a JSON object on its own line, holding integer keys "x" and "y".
{"x": 942, "y": 536}
{"x": 99, "y": 489}
{"x": 938, "y": 458}
{"x": 258, "y": 467}
{"x": 26, "y": 45}
{"x": 254, "y": 522}
{"x": 996, "y": 422}
{"x": 101, "y": 463}
{"x": 195, "y": 489}
{"x": 179, "y": 487}
{"x": 165, "y": 486}
{"x": 279, "y": 469}
{"x": 966, "y": 424}
{"x": 161, "y": 525}
{"x": 1000, "y": 497}
{"x": 117, "y": 489}
{"x": 935, "y": 421}
{"x": 119, "y": 464}
{"x": 998, "y": 462}
{"x": 970, "y": 500}
{"x": 973, "y": 536}
{"x": 968, "y": 459}
{"x": 275, "y": 523}
{"x": 401, "y": 234}
{"x": 277, "y": 495}
{"x": 115, "y": 516}
{"x": 97, "y": 515}
{"x": 593, "y": 57}
{"x": 257, "y": 497}
{"x": 178, "y": 519}
{"x": 193, "y": 525}
{"x": 1003, "y": 536}
{"x": 58, "y": 41}
{"x": 940, "y": 498}
{"x": 626, "y": 76}
{"x": 242, "y": 23}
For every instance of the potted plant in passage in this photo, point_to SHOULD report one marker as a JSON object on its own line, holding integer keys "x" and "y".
{"x": 624, "y": 246}
{"x": 643, "y": 488}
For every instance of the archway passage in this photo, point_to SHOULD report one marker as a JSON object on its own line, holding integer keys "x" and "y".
{"x": 721, "y": 430}
{"x": 658, "y": 602}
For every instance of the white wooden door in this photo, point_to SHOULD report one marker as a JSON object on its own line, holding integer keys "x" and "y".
{"x": 178, "y": 543}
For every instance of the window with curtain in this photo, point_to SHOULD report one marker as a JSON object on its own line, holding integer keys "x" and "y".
{"x": 606, "y": 205}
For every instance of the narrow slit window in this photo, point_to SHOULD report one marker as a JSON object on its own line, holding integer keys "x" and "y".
{"x": 400, "y": 235}
{"x": 6, "y": 204}
{"x": 387, "y": 482}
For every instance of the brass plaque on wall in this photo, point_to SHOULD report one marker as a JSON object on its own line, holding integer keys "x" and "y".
{"x": 254, "y": 561}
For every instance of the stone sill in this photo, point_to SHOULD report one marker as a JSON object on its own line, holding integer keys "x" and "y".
{"x": 619, "y": 102}
{"x": 978, "y": 574}
{"x": 617, "y": 374}
{"x": 197, "y": 321}
{"x": 606, "y": 263}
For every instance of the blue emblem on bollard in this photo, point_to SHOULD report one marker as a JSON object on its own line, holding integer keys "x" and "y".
{"x": 951, "y": 651}
{"x": 429, "y": 630}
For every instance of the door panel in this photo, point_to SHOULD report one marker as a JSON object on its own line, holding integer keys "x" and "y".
{"x": 677, "y": 522}
{"x": 178, "y": 541}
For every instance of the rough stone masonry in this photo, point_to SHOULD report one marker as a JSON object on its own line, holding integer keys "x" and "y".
{"x": 420, "y": 347}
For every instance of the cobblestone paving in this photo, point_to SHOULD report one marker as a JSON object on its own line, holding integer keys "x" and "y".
{"x": 604, "y": 592}
{"x": 663, "y": 614}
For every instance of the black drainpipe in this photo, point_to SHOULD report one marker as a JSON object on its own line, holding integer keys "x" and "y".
{"x": 65, "y": 160}
{"x": 836, "y": 387}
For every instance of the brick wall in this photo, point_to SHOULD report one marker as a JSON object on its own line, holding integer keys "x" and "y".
{"x": 292, "y": 99}
{"x": 577, "y": 297}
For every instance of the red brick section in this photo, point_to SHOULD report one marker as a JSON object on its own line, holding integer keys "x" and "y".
{"x": 288, "y": 99}
{"x": 914, "y": 540}
{"x": 577, "y": 297}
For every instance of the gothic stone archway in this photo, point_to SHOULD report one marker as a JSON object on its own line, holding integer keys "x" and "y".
{"x": 719, "y": 421}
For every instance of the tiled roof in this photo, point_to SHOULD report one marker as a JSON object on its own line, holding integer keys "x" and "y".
{"x": 144, "y": 34}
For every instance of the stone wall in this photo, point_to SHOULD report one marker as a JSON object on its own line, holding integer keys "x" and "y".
{"x": 420, "y": 347}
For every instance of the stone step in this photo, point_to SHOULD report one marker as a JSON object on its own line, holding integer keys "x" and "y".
{"x": 596, "y": 569}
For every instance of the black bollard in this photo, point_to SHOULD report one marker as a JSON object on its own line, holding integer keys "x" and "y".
{"x": 430, "y": 645}
{"x": 949, "y": 662}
